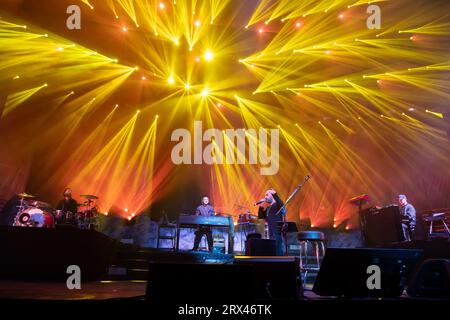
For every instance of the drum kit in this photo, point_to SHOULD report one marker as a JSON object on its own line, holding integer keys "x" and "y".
{"x": 35, "y": 213}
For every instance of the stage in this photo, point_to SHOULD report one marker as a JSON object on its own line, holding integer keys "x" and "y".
{"x": 126, "y": 272}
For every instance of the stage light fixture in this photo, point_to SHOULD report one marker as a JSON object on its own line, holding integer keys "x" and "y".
{"x": 208, "y": 55}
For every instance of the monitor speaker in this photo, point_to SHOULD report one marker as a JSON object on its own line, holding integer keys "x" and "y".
{"x": 260, "y": 247}
{"x": 365, "y": 272}
{"x": 432, "y": 280}
{"x": 247, "y": 279}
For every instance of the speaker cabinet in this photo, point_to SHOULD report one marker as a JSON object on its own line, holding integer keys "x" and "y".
{"x": 350, "y": 272}
{"x": 432, "y": 280}
{"x": 247, "y": 279}
{"x": 260, "y": 247}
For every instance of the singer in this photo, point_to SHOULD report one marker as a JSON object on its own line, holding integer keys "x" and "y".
{"x": 274, "y": 203}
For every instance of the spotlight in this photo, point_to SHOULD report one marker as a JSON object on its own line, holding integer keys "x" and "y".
{"x": 143, "y": 78}
{"x": 197, "y": 23}
{"x": 205, "y": 92}
{"x": 125, "y": 29}
{"x": 261, "y": 31}
{"x": 187, "y": 86}
{"x": 171, "y": 80}
{"x": 411, "y": 109}
{"x": 156, "y": 116}
{"x": 162, "y": 6}
{"x": 126, "y": 210}
{"x": 298, "y": 25}
{"x": 328, "y": 52}
{"x": 60, "y": 49}
{"x": 379, "y": 81}
{"x": 208, "y": 55}
{"x": 341, "y": 16}
{"x": 197, "y": 59}
{"x": 219, "y": 105}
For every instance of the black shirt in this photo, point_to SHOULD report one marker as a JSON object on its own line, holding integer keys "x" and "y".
{"x": 67, "y": 206}
{"x": 270, "y": 213}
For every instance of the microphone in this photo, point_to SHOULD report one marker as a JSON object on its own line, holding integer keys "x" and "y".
{"x": 259, "y": 202}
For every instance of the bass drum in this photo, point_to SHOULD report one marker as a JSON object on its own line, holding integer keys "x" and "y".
{"x": 35, "y": 217}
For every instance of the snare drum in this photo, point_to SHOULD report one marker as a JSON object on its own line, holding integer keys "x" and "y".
{"x": 35, "y": 217}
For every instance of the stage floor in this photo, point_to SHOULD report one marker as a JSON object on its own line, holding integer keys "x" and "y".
{"x": 97, "y": 290}
{"x": 118, "y": 290}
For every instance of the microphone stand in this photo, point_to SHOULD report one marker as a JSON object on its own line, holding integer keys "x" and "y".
{"x": 283, "y": 210}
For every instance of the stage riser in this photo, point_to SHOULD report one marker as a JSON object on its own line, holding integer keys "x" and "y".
{"x": 38, "y": 253}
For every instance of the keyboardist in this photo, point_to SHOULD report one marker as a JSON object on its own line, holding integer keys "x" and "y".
{"x": 207, "y": 210}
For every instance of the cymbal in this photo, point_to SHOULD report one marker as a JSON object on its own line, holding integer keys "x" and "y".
{"x": 88, "y": 196}
{"x": 25, "y": 195}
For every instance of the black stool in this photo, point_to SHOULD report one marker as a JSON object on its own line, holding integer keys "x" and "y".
{"x": 311, "y": 244}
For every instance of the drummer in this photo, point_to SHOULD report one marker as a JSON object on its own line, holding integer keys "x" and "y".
{"x": 67, "y": 208}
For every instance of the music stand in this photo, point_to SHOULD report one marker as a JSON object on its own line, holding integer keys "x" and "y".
{"x": 359, "y": 201}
